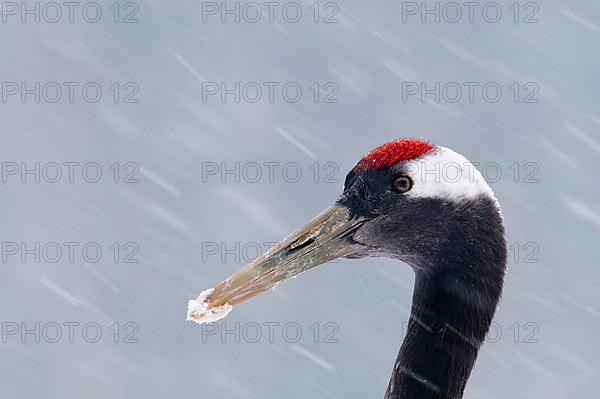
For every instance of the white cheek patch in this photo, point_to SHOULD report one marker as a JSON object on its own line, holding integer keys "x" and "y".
{"x": 447, "y": 175}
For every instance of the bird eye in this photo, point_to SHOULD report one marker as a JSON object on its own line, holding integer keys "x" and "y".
{"x": 402, "y": 184}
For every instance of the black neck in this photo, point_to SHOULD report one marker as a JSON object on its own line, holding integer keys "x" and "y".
{"x": 452, "y": 309}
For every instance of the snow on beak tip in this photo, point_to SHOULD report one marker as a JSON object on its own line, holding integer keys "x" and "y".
{"x": 200, "y": 311}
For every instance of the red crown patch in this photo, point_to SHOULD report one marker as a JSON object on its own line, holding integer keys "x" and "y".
{"x": 393, "y": 152}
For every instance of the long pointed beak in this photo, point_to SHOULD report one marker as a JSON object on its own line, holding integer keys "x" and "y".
{"x": 324, "y": 238}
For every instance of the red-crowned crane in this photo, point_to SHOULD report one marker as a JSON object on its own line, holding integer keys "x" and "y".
{"x": 428, "y": 207}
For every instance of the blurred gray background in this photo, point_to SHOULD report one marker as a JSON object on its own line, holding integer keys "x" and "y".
{"x": 546, "y": 338}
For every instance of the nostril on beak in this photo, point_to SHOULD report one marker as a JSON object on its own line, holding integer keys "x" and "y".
{"x": 301, "y": 244}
